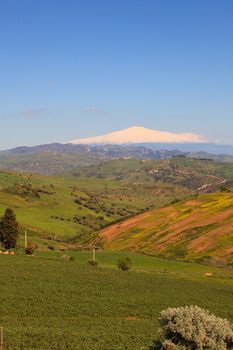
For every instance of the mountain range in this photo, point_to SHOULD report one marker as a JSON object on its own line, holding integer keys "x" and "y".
{"x": 134, "y": 142}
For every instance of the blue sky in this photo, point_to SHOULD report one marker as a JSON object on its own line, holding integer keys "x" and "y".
{"x": 72, "y": 68}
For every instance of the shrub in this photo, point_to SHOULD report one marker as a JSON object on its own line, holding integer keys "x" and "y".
{"x": 124, "y": 264}
{"x": 193, "y": 328}
{"x": 93, "y": 263}
{"x": 175, "y": 200}
{"x": 31, "y": 248}
{"x": 67, "y": 257}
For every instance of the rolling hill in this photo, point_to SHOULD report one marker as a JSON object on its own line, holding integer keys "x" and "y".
{"x": 194, "y": 174}
{"x": 70, "y": 210}
{"x": 199, "y": 229}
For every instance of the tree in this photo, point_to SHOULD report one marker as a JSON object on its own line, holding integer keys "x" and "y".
{"x": 9, "y": 229}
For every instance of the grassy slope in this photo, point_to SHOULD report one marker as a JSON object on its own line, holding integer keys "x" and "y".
{"x": 45, "y": 205}
{"x": 104, "y": 194}
{"x": 50, "y": 304}
{"x": 198, "y": 229}
{"x": 186, "y": 172}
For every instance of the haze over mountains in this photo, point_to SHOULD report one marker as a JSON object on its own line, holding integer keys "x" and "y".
{"x": 134, "y": 142}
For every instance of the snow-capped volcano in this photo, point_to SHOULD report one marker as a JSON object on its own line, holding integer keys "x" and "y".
{"x": 138, "y": 135}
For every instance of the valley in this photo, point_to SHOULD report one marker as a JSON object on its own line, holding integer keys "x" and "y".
{"x": 176, "y": 208}
{"x": 67, "y": 209}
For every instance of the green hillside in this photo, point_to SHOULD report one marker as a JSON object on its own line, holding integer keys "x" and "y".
{"x": 187, "y": 172}
{"x": 71, "y": 210}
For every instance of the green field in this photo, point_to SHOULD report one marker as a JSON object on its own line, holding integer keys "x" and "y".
{"x": 50, "y": 304}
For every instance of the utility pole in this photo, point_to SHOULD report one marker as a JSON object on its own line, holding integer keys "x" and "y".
{"x": 25, "y": 242}
{"x": 1, "y": 341}
{"x": 93, "y": 254}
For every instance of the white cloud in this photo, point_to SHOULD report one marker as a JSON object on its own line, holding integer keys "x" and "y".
{"x": 31, "y": 112}
{"x": 90, "y": 110}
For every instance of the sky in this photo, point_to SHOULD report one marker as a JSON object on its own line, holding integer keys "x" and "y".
{"x": 81, "y": 68}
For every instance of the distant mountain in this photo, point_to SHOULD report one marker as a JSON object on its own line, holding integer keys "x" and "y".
{"x": 139, "y": 135}
{"x": 52, "y": 147}
{"x": 99, "y": 151}
{"x": 212, "y": 148}
{"x": 56, "y": 158}
{"x": 135, "y": 142}
{"x": 157, "y": 140}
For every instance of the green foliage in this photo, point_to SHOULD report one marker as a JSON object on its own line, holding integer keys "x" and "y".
{"x": 186, "y": 328}
{"x": 9, "y": 229}
{"x": 124, "y": 264}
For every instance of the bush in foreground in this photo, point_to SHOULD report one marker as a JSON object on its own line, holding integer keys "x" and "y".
{"x": 192, "y": 328}
{"x": 31, "y": 248}
{"x": 93, "y": 263}
{"x": 124, "y": 264}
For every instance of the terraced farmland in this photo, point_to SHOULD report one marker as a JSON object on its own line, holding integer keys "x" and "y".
{"x": 199, "y": 229}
